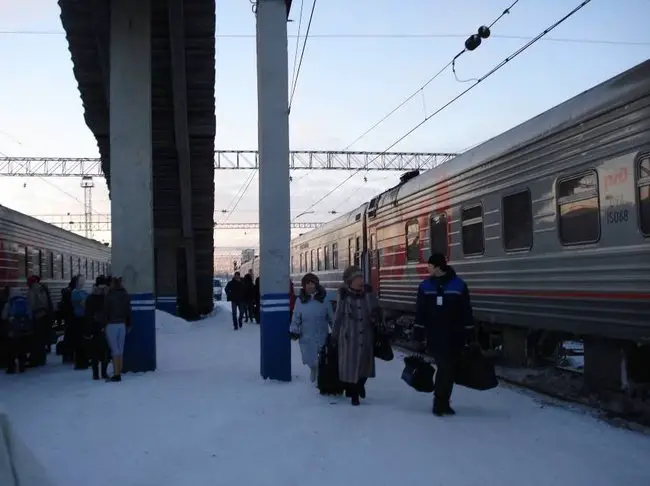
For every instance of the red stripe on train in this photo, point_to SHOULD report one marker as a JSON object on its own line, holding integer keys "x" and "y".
{"x": 561, "y": 294}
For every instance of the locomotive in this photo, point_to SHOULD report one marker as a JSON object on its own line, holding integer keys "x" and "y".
{"x": 548, "y": 223}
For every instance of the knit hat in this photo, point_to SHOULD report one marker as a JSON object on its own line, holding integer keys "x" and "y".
{"x": 309, "y": 277}
{"x": 438, "y": 260}
{"x": 351, "y": 273}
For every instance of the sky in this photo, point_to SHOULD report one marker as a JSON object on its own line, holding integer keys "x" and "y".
{"x": 345, "y": 86}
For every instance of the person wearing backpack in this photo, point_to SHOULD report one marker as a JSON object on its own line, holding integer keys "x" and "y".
{"x": 96, "y": 322}
{"x": 40, "y": 313}
{"x": 16, "y": 314}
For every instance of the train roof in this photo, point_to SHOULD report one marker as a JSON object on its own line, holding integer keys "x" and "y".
{"x": 333, "y": 225}
{"x": 602, "y": 97}
{"x": 8, "y": 214}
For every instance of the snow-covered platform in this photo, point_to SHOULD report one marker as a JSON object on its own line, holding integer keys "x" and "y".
{"x": 206, "y": 418}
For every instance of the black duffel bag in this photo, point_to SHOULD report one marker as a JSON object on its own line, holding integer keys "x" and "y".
{"x": 418, "y": 374}
{"x": 383, "y": 349}
{"x": 475, "y": 370}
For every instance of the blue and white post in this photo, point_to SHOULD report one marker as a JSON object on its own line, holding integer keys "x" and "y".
{"x": 131, "y": 174}
{"x": 273, "y": 142}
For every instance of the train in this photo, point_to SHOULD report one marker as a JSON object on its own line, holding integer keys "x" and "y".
{"x": 29, "y": 246}
{"x": 548, "y": 223}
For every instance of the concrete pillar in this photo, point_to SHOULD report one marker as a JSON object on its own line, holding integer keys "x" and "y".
{"x": 131, "y": 173}
{"x": 273, "y": 142}
{"x": 166, "y": 278}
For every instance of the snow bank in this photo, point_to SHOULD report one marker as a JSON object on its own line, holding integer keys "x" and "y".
{"x": 18, "y": 465}
{"x": 169, "y": 324}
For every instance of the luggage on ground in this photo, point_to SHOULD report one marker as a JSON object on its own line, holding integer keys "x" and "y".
{"x": 418, "y": 374}
{"x": 475, "y": 370}
{"x": 328, "y": 369}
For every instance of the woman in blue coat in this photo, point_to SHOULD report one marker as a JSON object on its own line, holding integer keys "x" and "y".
{"x": 312, "y": 318}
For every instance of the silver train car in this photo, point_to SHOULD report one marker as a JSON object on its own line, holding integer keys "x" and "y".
{"x": 549, "y": 224}
{"x": 29, "y": 246}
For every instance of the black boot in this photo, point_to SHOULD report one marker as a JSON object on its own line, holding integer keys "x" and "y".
{"x": 361, "y": 386}
{"x": 105, "y": 370}
{"x": 95, "y": 371}
{"x": 441, "y": 408}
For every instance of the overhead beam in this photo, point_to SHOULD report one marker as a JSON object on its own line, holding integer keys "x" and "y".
{"x": 102, "y": 222}
{"x": 179, "y": 88}
{"x": 236, "y": 159}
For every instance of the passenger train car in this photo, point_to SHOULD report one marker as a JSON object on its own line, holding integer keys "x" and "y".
{"x": 29, "y": 246}
{"x": 548, "y": 223}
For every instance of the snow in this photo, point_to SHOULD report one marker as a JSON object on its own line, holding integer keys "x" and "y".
{"x": 207, "y": 418}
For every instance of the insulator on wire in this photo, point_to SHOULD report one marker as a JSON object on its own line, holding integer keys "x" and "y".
{"x": 472, "y": 42}
{"x": 484, "y": 31}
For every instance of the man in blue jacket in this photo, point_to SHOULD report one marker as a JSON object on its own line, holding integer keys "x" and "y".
{"x": 445, "y": 312}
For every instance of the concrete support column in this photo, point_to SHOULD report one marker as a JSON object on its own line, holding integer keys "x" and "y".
{"x": 273, "y": 142}
{"x": 131, "y": 173}
{"x": 166, "y": 278}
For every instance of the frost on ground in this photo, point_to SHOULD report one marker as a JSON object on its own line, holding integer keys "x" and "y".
{"x": 206, "y": 418}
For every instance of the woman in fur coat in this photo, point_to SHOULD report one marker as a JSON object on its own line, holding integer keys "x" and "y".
{"x": 357, "y": 314}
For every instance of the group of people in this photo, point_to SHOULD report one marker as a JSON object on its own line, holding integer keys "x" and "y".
{"x": 443, "y": 309}
{"x": 95, "y": 325}
{"x": 25, "y": 326}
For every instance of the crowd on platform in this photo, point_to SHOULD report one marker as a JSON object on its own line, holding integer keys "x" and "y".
{"x": 94, "y": 326}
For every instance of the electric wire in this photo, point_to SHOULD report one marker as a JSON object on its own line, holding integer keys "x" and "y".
{"x": 295, "y": 54}
{"x": 427, "y": 83}
{"x": 460, "y": 95}
{"x": 302, "y": 55}
{"x": 243, "y": 193}
{"x": 236, "y": 197}
{"x": 568, "y": 40}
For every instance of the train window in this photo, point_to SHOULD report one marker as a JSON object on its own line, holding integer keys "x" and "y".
{"x": 373, "y": 241}
{"x": 412, "y": 241}
{"x": 438, "y": 234}
{"x": 578, "y": 209}
{"x": 335, "y": 256}
{"x": 643, "y": 183}
{"x": 293, "y": 270}
{"x": 357, "y": 251}
{"x": 21, "y": 256}
{"x": 311, "y": 260}
{"x": 350, "y": 252}
{"x": 301, "y": 268}
{"x": 472, "y": 223}
{"x": 517, "y": 221}
{"x": 50, "y": 272}
{"x": 326, "y": 257}
{"x": 319, "y": 261}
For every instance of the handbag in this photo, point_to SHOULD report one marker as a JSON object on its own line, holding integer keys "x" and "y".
{"x": 383, "y": 349}
{"x": 328, "y": 369}
{"x": 475, "y": 370}
{"x": 418, "y": 374}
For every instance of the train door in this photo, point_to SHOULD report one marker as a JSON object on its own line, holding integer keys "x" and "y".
{"x": 373, "y": 258}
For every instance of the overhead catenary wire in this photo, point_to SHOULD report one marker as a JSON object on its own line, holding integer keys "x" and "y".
{"x": 427, "y": 83}
{"x": 241, "y": 196}
{"x": 458, "y": 96}
{"x": 295, "y": 54}
{"x": 568, "y": 40}
{"x": 302, "y": 55}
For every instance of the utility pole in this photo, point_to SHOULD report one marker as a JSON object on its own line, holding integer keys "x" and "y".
{"x": 87, "y": 184}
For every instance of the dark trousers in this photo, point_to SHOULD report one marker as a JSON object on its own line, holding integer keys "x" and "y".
{"x": 445, "y": 375}
{"x": 17, "y": 348}
{"x": 79, "y": 343}
{"x": 237, "y": 309}
{"x": 250, "y": 309}
{"x": 99, "y": 354}
{"x": 40, "y": 340}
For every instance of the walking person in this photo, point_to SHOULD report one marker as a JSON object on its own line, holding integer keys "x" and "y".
{"x": 78, "y": 297}
{"x": 311, "y": 321}
{"x": 445, "y": 311}
{"x": 357, "y": 315}
{"x": 235, "y": 295}
{"x": 249, "y": 296}
{"x": 117, "y": 309}
{"x": 40, "y": 311}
